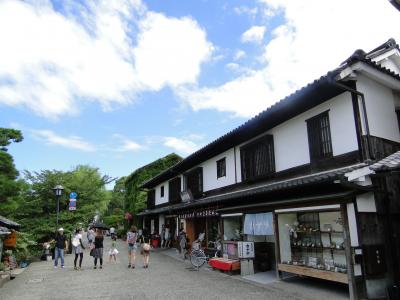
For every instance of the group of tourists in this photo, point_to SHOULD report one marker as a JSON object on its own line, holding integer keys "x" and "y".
{"x": 95, "y": 239}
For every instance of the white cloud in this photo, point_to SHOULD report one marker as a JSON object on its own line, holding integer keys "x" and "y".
{"x": 240, "y": 10}
{"x": 126, "y": 144}
{"x": 182, "y": 145}
{"x": 239, "y": 54}
{"x": 315, "y": 37}
{"x": 170, "y": 51}
{"x": 254, "y": 34}
{"x": 51, "y": 63}
{"x": 71, "y": 142}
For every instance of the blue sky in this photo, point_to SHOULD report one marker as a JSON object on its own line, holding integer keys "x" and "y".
{"x": 118, "y": 84}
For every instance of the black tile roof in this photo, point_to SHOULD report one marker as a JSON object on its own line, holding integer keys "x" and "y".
{"x": 256, "y": 189}
{"x": 392, "y": 162}
{"x": 8, "y": 223}
{"x": 4, "y": 230}
{"x": 313, "y": 94}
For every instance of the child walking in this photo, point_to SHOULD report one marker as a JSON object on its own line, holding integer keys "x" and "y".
{"x": 113, "y": 250}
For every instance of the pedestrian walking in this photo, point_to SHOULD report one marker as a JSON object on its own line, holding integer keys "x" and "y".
{"x": 167, "y": 237}
{"x": 112, "y": 231}
{"x": 131, "y": 238}
{"x": 98, "y": 248}
{"x": 145, "y": 250}
{"x": 90, "y": 236}
{"x": 113, "y": 250}
{"x": 61, "y": 244}
{"x": 183, "y": 243}
{"x": 162, "y": 235}
{"x": 77, "y": 248}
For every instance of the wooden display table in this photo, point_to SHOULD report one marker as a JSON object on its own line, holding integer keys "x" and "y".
{"x": 224, "y": 265}
{"x": 306, "y": 271}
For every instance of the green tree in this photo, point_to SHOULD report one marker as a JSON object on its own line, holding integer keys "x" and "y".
{"x": 135, "y": 198}
{"x": 36, "y": 207}
{"x": 8, "y": 172}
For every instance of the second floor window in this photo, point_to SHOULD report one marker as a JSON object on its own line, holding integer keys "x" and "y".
{"x": 162, "y": 192}
{"x": 174, "y": 190}
{"x": 221, "y": 167}
{"x": 151, "y": 199}
{"x": 257, "y": 158}
{"x": 319, "y": 137}
{"x": 194, "y": 182}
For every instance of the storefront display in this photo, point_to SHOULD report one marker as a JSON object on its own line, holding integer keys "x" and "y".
{"x": 232, "y": 233}
{"x": 312, "y": 240}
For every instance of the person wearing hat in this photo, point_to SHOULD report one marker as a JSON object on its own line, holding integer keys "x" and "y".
{"x": 61, "y": 244}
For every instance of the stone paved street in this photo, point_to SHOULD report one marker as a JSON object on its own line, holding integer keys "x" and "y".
{"x": 166, "y": 278}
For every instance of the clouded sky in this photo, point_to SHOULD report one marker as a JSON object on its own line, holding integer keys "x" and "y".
{"x": 117, "y": 84}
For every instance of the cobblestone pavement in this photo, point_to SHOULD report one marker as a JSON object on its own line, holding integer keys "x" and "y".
{"x": 166, "y": 278}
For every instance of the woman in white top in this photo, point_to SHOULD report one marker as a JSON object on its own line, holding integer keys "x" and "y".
{"x": 167, "y": 237}
{"x": 78, "y": 248}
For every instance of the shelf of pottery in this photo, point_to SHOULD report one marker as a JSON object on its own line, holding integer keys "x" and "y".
{"x": 312, "y": 240}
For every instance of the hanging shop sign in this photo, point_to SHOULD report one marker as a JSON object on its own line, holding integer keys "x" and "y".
{"x": 209, "y": 212}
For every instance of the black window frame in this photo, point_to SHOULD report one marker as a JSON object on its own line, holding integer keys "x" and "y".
{"x": 194, "y": 182}
{"x": 151, "y": 199}
{"x": 258, "y": 158}
{"x": 174, "y": 190}
{"x": 221, "y": 167}
{"x": 319, "y": 137}
{"x": 162, "y": 191}
{"x": 398, "y": 116}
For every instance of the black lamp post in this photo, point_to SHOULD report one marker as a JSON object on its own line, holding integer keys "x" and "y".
{"x": 58, "y": 190}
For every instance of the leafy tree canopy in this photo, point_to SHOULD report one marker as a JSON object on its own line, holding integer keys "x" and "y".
{"x": 7, "y": 136}
{"x": 8, "y": 172}
{"x": 35, "y": 208}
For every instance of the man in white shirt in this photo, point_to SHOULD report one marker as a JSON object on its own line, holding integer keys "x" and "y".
{"x": 112, "y": 231}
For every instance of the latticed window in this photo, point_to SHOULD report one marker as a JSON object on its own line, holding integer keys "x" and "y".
{"x": 174, "y": 190}
{"x": 194, "y": 182}
{"x": 258, "y": 158}
{"x": 319, "y": 137}
{"x": 151, "y": 199}
{"x": 221, "y": 167}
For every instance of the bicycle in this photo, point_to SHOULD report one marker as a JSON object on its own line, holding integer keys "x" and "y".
{"x": 197, "y": 256}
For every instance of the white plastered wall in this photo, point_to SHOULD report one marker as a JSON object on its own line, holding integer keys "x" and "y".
{"x": 210, "y": 180}
{"x": 159, "y": 199}
{"x": 291, "y": 138}
{"x": 380, "y": 106}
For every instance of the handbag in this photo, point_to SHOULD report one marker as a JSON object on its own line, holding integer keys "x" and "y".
{"x": 91, "y": 252}
{"x": 146, "y": 247}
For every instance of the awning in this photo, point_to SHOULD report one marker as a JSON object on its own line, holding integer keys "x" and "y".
{"x": 8, "y": 223}
{"x": 258, "y": 189}
{"x": 327, "y": 198}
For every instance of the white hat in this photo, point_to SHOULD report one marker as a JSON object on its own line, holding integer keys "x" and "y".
{"x": 60, "y": 229}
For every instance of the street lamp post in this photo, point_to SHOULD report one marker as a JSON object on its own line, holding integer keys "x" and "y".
{"x": 58, "y": 190}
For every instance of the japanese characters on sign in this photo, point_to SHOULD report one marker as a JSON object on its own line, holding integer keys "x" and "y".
{"x": 210, "y": 212}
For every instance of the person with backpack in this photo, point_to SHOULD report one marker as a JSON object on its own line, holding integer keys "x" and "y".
{"x": 131, "y": 238}
{"x": 77, "y": 248}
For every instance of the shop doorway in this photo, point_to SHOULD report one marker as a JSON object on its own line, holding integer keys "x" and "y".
{"x": 258, "y": 228}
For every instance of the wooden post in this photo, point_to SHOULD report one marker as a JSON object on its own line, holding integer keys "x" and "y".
{"x": 277, "y": 252}
{"x": 349, "y": 258}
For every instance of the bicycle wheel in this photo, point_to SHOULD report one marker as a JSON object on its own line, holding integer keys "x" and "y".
{"x": 197, "y": 258}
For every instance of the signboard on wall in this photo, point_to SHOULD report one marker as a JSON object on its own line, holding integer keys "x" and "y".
{"x": 209, "y": 212}
{"x": 246, "y": 249}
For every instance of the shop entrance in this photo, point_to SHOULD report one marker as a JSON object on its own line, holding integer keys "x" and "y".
{"x": 258, "y": 228}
